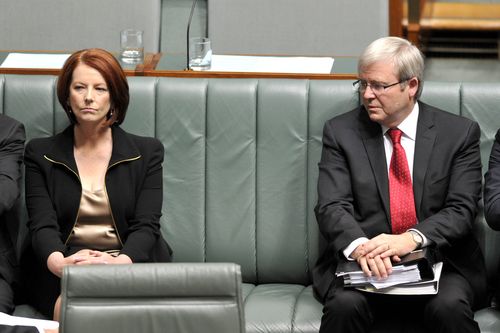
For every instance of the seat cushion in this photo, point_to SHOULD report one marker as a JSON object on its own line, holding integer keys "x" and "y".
{"x": 488, "y": 319}
{"x": 25, "y": 310}
{"x": 280, "y": 308}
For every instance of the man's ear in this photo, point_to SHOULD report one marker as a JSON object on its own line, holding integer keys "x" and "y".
{"x": 413, "y": 85}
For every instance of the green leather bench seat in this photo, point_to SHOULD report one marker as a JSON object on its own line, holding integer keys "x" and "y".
{"x": 240, "y": 174}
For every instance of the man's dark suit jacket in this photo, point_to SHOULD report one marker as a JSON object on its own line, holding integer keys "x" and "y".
{"x": 492, "y": 186}
{"x": 492, "y": 191}
{"x": 11, "y": 154}
{"x": 18, "y": 329}
{"x": 353, "y": 189}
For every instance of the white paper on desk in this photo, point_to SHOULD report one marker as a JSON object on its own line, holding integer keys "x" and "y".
{"x": 267, "y": 64}
{"x": 40, "y": 324}
{"x": 34, "y": 60}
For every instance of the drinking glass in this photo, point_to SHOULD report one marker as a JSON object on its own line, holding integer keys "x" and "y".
{"x": 131, "y": 43}
{"x": 200, "y": 53}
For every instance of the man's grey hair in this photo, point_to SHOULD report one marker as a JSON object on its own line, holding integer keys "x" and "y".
{"x": 407, "y": 59}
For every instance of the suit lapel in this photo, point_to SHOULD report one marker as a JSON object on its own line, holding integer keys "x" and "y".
{"x": 371, "y": 134}
{"x": 424, "y": 144}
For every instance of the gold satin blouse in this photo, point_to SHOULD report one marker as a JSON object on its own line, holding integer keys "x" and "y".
{"x": 94, "y": 228}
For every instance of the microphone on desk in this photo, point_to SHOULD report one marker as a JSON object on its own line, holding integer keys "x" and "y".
{"x": 187, "y": 35}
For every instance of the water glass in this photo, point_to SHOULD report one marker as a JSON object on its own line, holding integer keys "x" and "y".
{"x": 200, "y": 53}
{"x": 131, "y": 43}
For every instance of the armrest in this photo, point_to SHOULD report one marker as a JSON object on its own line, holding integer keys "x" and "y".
{"x": 150, "y": 297}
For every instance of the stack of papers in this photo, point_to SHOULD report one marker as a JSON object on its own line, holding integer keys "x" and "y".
{"x": 35, "y": 60}
{"x": 267, "y": 64}
{"x": 40, "y": 324}
{"x": 400, "y": 274}
{"x": 404, "y": 280}
{"x": 424, "y": 287}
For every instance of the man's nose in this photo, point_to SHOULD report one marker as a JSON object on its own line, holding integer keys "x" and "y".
{"x": 368, "y": 92}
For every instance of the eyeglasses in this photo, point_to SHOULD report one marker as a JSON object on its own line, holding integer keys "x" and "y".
{"x": 376, "y": 87}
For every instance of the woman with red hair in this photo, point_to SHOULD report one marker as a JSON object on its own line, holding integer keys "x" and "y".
{"x": 93, "y": 191}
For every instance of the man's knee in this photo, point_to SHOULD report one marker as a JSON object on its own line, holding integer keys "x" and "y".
{"x": 450, "y": 315}
{"x": 452, "y": 306}
{"x": 346, "y": 311}
{"x": 347, "y": 304}
{"x": 448, "y": 309}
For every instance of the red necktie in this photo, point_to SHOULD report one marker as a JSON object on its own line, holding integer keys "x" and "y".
{"x": 402, "y": 204}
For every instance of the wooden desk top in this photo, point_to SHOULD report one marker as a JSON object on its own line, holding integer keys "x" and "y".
{"x": 173, "y": 65}
{"x": 129, "y": 69}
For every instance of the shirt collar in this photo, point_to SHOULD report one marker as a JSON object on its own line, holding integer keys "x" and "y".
{"x": 409, "y": 125}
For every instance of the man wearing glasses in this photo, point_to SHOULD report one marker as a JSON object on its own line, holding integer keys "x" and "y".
{"x": 397, "y": 175}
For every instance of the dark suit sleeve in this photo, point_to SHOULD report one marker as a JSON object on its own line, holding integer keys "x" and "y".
{"x": 11, "y": 154}
{"x": 334, "y": 211}
{"x": 144, "y": 228}
{"x": 451, "y": 199}
{"x": 492, "y": 186}
{"x": 18, "y": 329}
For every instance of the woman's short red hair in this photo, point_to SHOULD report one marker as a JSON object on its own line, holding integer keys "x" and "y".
{"x": 107, "y": 65}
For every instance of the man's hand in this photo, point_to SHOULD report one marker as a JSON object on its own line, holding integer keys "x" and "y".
{"x": 377, "y": 266}
{"x": 392, "y": 246}
{"x": 375, "y": 257}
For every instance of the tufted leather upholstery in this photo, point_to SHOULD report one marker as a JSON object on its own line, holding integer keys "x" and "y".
{"x": 184, "y": 298}
{"x": 240, "y": 174}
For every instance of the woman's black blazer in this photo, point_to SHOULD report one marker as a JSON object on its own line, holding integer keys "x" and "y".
{"x": 133, "y": 183}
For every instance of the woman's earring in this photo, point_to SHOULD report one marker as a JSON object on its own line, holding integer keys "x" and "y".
{"x": 110, "y": 114}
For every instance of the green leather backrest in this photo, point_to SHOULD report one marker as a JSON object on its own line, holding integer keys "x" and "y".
{"x": 241, "y": 170}
{"x": 481, "y": 102}
{"x": 145, "y": 297}
{"x": 241, "y": 159}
